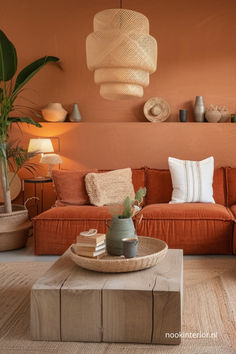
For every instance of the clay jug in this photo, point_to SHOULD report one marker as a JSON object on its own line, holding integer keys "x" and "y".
{"x": 54, "y": 112}
{"x": 118, "y": 229}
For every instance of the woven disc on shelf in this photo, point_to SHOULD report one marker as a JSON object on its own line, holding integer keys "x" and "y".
{"x": 156, "y": 109}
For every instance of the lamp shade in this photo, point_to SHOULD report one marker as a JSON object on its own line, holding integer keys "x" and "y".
{"x": 121, "y": 53}
{"x": 40, "y": 145}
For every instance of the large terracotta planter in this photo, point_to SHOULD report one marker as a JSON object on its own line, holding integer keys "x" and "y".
{"x": 14, "y": 228}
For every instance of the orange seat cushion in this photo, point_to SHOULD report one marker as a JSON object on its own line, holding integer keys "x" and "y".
{"x": 159, "y": 186}
{"x": 56, "y": 229}
{"x": 198, "y": 228}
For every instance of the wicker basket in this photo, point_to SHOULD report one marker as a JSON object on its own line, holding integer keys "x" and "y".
{"x": 14, "y": 227}
{"x": 150, "y": 252}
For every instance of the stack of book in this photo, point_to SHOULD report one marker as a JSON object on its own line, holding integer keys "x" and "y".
{"x": 91, "y": 246}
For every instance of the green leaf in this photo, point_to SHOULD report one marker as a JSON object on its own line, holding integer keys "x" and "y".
{"x": 27, "y": 120}
{"x": 8, "y": 58}
{"x": 1, "y": 95}
{"x": 140, "y": 194}
{"x": 127, "y": 204}
{"x": 29, "y": 71}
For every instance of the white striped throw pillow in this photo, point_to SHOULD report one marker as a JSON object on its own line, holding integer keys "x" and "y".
{"x": 191, "y": 180}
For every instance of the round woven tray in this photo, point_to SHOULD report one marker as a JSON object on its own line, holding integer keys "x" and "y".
{"x": 150, "y": 252}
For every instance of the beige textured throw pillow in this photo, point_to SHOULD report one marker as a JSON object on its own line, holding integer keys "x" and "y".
{"x": 109, "y": 187}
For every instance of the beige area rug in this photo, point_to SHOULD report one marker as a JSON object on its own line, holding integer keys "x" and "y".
{"x": 209, "y": 307}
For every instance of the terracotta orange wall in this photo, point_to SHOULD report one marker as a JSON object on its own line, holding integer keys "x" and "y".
{"x": 197, "y": 51}
{"x": 118, "y": 145}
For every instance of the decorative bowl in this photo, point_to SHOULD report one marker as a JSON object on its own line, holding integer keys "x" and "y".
{"x": 151, "y": 251}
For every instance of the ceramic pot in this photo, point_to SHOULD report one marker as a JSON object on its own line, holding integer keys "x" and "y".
{"x": 233, "y": 118}
{"x": 54, "y": 112}
{"x": 183, "y": 115}
{"x": 75, "y": 115}
{"x": 213, "y": 116}
{"x": 118, "y": 230}
{"x": 199, "y": 109}
{"x": 224, "y": 116}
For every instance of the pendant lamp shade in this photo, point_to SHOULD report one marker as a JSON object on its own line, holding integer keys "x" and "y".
{"x": 121, "y": 53}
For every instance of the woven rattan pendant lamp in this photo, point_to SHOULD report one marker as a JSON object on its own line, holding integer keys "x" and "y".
{"x": 121, "y": 53}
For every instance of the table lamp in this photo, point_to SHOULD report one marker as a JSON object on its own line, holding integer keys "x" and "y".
{"x": 44, "y": 145}
{"x": 51, "y": 160}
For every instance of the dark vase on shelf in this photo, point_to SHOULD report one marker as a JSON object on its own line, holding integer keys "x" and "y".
{"x": 183, "y": 115}
{"x": 75, "y": 115}
{"x": 233, "y": 118}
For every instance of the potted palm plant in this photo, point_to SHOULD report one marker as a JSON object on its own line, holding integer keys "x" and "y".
{"x": 13, "y": 219}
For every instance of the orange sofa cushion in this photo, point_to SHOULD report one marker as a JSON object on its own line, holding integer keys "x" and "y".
{"x": 138, "y": 178}
{"x": 70, "y": 187}
{"x": 231, "y": 185}
{"x": 198, "y": 228}
{"x": 56, "y": 229}
{"x": 159, "y": 186}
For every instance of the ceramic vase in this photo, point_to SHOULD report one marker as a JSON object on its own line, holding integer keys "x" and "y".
{"x": 224, "y": 115}
{"x": 183, "y": 115}
{"x": 119, "y": 229}
{"x": 213, "y": 116}
{"x": 199, "y": 109}
{"x": 233, "y": 118}
{"x": 75, "y": 115}
{"x": 54, "y": 112}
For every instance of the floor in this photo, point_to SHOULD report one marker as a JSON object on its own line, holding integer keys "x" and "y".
{"x": 25, "y": 254}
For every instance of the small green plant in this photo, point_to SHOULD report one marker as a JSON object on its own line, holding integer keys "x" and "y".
{"x": 129, "y": 208}
{"x": 18, "y": 157}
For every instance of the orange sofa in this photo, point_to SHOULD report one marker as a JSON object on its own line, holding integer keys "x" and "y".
{"x": 197, "y": 228}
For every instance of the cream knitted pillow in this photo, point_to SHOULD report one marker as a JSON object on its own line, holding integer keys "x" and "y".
{"x": 109, "y": 187}
{"x": 191, "y": 180}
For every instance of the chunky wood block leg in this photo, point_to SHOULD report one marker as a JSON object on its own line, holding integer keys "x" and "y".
{"x": 127, "y": 316}
{"x": 167, "y": 318}
{"x": 167, "y": 301}
{"x": 81, "y": 318}
{"x": 45, "y": 301}
{"x": 127, "y": 307}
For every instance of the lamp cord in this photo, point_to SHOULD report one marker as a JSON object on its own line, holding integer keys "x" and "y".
{"x": 120, "y": 4}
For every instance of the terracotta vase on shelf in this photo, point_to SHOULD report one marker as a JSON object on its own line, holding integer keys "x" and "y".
{"x": 75, "y": 115}
{"x": 199, "y": 109}
{"x": 54, "y": 112}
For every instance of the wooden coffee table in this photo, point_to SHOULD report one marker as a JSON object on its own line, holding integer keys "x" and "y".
{"x": 70, "y": 303}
